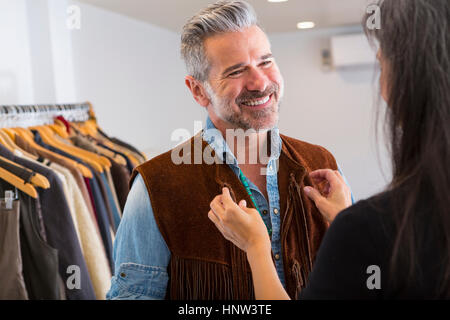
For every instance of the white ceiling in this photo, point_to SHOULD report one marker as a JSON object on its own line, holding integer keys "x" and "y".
{"x": 274, "y": 17}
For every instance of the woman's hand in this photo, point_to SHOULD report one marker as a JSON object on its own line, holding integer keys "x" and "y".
{"x": 336, "y": 195}
{"x": 242, "y": 226}
{"x": 245, "y": 228}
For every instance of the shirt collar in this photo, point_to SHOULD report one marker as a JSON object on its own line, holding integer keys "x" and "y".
{"x": 214, "y": 138}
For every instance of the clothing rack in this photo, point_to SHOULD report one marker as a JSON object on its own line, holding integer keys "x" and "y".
{"x": 38, "y": 115}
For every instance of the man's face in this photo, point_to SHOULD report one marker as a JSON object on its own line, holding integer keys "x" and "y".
{"x": 245, "y": 85}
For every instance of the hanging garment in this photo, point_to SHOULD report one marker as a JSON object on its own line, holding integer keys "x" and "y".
{"x": 99, "y": 202}
{"x": 121, "y": 177}
{"x": 39, "y": 260}
{"x": 104, "y": 196}
{"x": 103, "y": 220}
{"x": 130, "y": 165}
{"x": 114, "y": 193}
{"x": 123, "y": 144}
{"x": 110, "y": 199}
{"x": 91, "y": 245}
{"x": 59, "y": 227}
{"x": 11, "y": 270}
{"x": 76, "y": 224}
{"x": 89, "y": 145}
{"x": 23, "y": 144}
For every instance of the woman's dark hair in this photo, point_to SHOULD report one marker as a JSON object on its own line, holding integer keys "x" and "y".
{"x": 414, "y": 40}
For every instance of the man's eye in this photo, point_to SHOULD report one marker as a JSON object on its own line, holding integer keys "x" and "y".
{"x": 266, "y": 63}
{"x": 236, "y": 73}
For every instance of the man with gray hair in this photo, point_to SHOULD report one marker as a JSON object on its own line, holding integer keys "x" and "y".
{"x": 166, "y": 247}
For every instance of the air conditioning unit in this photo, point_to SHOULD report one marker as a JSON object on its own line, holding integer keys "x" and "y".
{"x": 352, "y": 51}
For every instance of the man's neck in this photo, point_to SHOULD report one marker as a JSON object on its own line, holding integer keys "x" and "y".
{"x": 246, "y": 145}
{"x": 247, "y": 148}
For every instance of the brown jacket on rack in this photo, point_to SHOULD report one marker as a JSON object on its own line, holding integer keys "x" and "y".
{"x": 204, "y": 265}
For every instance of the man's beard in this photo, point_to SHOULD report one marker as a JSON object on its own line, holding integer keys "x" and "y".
{"x": 247, "y": 118}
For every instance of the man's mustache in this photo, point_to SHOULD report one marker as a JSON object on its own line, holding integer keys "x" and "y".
{"x": 252, "y": 95}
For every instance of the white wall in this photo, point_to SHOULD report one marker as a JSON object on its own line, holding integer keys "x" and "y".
{"x": 333, "y": 109}
{"x": 133, "y": 75}
{"x": 16, "y": 84}
{"x": 35, "y": 60}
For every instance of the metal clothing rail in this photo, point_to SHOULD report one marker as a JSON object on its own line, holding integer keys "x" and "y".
{"x": 36, "y": 115}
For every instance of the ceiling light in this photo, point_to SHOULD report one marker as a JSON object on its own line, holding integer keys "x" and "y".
{"x": 277, "y": 0}
{"x": 306, "y": 25}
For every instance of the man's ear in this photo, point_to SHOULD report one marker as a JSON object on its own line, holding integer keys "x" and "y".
{"x": 197, "y": 90}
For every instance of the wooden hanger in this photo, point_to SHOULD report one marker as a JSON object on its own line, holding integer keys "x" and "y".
{"x": 13, "y": 146}
{"x": 4, "y": 143}
{"x": 104, "y": 162}
{"x": 9, "y": 132}
{"x": 61, "y": 131}
{"x": 79, "y": 128}
{"x": 78, "y": 152}
{"x": 115, "y": 156}
{"x": 121, "y": 149}
{"x": 18, "y": 183}
{"x": 108, "y": 153}
{"x": 38, "y": 179}
{"x": 86, "y": 172}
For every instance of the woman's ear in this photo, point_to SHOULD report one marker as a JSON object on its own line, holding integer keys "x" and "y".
{"x": 198, "y": 91}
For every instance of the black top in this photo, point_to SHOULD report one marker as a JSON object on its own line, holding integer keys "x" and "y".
{"x": 362, "y": 236}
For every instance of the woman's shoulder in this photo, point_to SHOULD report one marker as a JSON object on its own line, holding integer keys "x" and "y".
{"x": 371, "y": 220}
{"x": 357, "y": 240}
{"x": 376, "y": 209}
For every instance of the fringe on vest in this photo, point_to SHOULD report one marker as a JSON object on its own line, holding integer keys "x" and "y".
{"x": 296, "y": 215}
{"x": 194, "y": 279}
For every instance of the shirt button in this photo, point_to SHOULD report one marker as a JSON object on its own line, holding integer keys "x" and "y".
{"x": 264, "y": 212}
{"x": 275, "y": 211}
{"x": 123, "y": 275}
{"x": 277, "y": 257}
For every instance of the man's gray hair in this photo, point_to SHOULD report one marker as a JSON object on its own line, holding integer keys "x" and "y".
{"x": 220, "y": 17}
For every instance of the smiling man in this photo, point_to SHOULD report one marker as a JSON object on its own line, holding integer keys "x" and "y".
{"x": 166, "y": 246}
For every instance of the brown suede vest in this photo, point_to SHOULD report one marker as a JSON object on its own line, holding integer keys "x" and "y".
{"x": 204, "y": 265}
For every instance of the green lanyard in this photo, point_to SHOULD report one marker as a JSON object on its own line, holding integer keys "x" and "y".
{"x": 244, "y": 181}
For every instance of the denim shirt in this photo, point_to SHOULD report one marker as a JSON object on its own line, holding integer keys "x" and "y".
{"x": 140, "y": 253}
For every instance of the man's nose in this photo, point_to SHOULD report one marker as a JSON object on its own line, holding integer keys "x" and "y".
{"x": 257, "y": 81}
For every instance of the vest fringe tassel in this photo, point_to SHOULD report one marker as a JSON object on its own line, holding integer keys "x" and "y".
{"x": 295, "y": 211}
{"x": 203, "y": 280}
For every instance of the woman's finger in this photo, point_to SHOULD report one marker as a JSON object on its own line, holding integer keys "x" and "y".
{"x": 212, "y": 216}
{"x": 226, "y": 199}
{"x": 328, "y": 175}
{"x": 338, "y": 174}
{"x": 218, "y": 224}
{"x": 314, "y": 195}
{"x": 217, "y": 208}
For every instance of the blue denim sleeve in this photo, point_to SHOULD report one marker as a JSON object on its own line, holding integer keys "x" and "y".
{"x": 343, "y": 176}
{"x": 141, "y": 255}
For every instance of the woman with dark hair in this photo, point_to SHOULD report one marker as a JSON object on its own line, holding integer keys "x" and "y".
{"x": 395, "y": 245}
